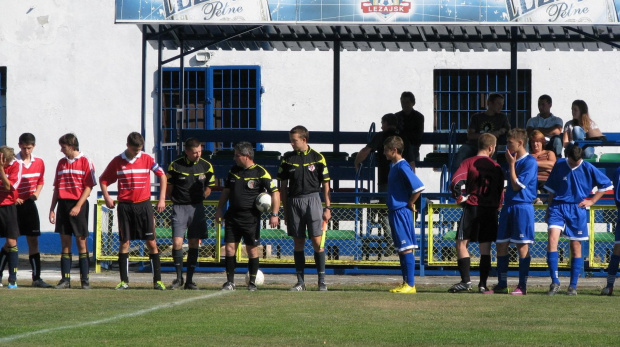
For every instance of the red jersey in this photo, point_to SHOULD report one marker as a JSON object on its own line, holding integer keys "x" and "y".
{"x": 133, "y": 176}
{"x": 73, "y": 176}
{"x": 32, "y": 176}
{"x": 483, "y": 179}
{"x": 14, "y": 174}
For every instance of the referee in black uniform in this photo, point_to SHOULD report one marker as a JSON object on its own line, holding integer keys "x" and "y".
{"x": 189, "y": 180}
{"x": 301, "y": 174}
{"x": 245, "y": 181}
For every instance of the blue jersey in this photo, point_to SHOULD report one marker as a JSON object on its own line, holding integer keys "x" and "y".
{"x": 616, "y": 183}
{"x": 526, "y": 169}
{"x": 572, "y": 186}
{"x": 402, "y": 182}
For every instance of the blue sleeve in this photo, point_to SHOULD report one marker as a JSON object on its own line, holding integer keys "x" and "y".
{"x": 528, "y": 173}
{"x": 600, "y": 180}
{"x": 410, "y": 177}
{"x": 552, "y": 181}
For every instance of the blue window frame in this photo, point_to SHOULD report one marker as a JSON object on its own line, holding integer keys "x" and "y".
{"x": 222, "y": 97}
{"x": 459, "y": 94}
{"x": 2, "y": 105}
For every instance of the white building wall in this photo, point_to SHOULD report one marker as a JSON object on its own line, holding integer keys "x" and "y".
{"x": 71, "y": 69}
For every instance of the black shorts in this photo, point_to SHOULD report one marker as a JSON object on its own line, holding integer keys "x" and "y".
{"x": 191, "y": 218}
{"x": 478, "y": 224}
{"x": 8, "y": 222}
{"x": 68, "y": 225}
{"x": 136, "y": 221}
{"x": 28, "y": 218}
{"x": 242, "y": 225}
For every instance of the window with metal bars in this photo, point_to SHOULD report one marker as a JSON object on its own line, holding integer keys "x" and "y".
{"x": 459, "y": 94}
{"x": 215, "y": 98}
{"x": 2, "y": 105}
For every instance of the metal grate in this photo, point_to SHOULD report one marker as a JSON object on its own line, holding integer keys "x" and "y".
{"x": 215, "y": 98}
{"x": 459, "y": 94}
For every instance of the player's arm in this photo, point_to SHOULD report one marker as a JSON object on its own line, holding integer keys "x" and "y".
{"x": 549, "y": 200}
{"x": 275, "y": 208}
{"x": 37, "y": 191}
{"x": 361, "y": 156}
{"x": 163, "y": 186}
{"x": 412, "y": 199}
{"x": 283, "y": 189}
{"x": 589, "y": 202}
{"x": 78, "y": 206}
{"x": 220, "y": 205}
{"x": 327, "y": 212}
{"x": 6, "y": 184}
{"x": 109, "y": 202}
{"x": 52, "y": 215}
{"x": 511, "y": 161}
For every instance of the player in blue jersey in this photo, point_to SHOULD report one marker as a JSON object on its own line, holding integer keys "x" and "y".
{"x": 484, "y": 184}
{"x": 570, "y": 182}
{"x": 404, "y": 188}
{"x": 612, "y": 269}
{"x": 516, "y": 219}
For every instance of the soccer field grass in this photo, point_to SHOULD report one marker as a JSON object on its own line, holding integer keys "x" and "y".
{"x": 346, "y": 315}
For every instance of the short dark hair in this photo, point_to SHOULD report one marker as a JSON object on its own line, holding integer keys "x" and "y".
{"x": 395, "y": 142}
{"x": 245, "y": 148}
{"x": 494, "y": 96}
{"x": 485, "y": 140}
{"x": 69, "y": 140}
{"x": 408, "y": 95}
{"x": 135, "y": 139}
{"x": 574, "y": 152}
{"x": 390, "y": 119}
{"x": 301, "y": 131}
{"x": 517, "y": 134}
{"x": 192, "y": 142}
{"x": 27, "y": 139}
{"x": 545, "y": 97}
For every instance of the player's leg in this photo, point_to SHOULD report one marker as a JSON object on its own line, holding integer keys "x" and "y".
{"x": 83, "y": 261}
{"x": 192, "y": 261}
{"x": 612, "y": 268}
{"x": 196, "y": 230}
{"x": 180, "y": 221}
{"x": 314, "y": 215}
{"x": 296, "y": 228}
{"x": 403, "y": 235}
{"x": 154, "y": 258}
{"x": 524, "y": 268}
{"x": 66, "y": 241}
{"x": 553, "y": 259}
{"x": 465, "y": 226}
{"x": 4, "y": 259}
{"x": 577, "y": 231}
{"x": 502, "y": 243}
{"x": 486, "y": 234}
{"x": 232, "y": 238}
{"x": 485, "y": 265}
{"x": 123, "y": 260}
{"x": 576, "y": 265}
{"x": 30, "y": 226}
{"x": 253, "y": 264}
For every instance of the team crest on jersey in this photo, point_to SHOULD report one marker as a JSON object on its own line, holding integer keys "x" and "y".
{"x": 311, "y": 167}
{"x": 252, "y": 184}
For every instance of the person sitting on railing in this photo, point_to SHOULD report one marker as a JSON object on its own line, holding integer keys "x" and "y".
{"x": 581, "y": 127}
{"x": 546, "y": 159}
{"x": 491, "y": 121}
{"x": 548, "y": 124}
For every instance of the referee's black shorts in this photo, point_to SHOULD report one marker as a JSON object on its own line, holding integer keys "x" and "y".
{"x": 240, "y": 225}
{"x": 136, "y": 221}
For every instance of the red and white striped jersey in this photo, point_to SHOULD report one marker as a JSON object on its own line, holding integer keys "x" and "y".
{"x": 133, "y": 176}
{"x": 73, "y": 176}
{"x": 32, "y": 176}
{"x": 14, "y": 174}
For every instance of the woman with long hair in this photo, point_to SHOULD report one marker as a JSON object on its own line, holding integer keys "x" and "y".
{"x": 581, "y": 127}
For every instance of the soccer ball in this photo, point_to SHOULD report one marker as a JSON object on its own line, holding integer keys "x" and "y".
{"x": 260, "y": 278}
{"x": 263, "y": 202}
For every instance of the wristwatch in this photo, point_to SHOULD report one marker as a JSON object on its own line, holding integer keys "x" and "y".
{"x": 274, "y": 215}
{"x": 328, "y": 208}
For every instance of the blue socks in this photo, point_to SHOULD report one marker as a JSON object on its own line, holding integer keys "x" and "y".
{"x": 524, "y": 271}
{"x": 552, "y": 262}
{"x": 576, "y": 265}
{"x": 502, "y": 271}
{"x": 408, "y": 268}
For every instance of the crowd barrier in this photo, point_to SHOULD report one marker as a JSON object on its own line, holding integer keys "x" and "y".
{"x": 358, "y": 234}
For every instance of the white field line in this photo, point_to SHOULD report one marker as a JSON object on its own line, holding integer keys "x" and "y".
{"x": 113, "y": 318}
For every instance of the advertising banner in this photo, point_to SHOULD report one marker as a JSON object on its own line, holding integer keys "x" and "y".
{"x": 364, "y": 11}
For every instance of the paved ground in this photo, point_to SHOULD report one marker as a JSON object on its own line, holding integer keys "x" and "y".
{"x": 51, "y": 273}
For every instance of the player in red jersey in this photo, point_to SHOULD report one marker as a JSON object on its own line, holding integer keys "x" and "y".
{"x": 10, "y": 175}
{"x": 33, "y": 170}
{"x": 73, "y": 182}
{"x": 132, "y": 169}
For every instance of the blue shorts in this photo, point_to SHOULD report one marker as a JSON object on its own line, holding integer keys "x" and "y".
{"x": 516, "y": 224}
{"x": 403, "y": 233}
{"x": 571, "y": 219}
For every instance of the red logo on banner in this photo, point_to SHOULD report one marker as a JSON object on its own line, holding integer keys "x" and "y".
{"x": 386, "y": 6}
